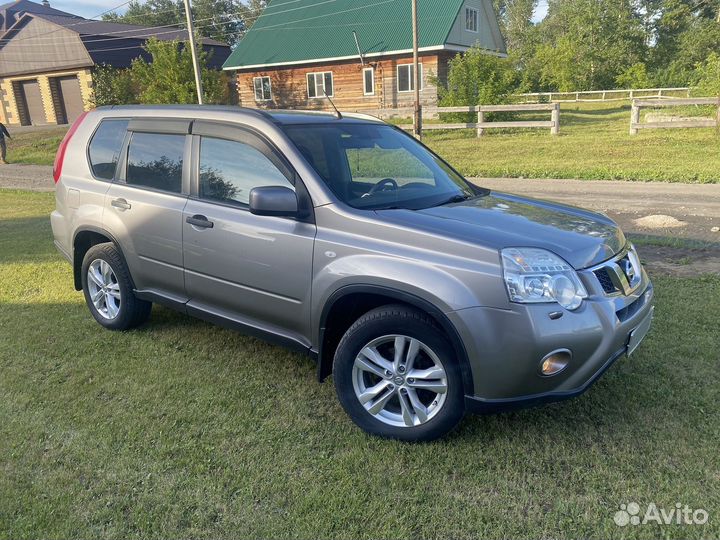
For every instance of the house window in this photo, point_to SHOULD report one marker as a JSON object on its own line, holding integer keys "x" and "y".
{"x": 471, "y": 19}
{"x": 320, "y": 84}
{"x": 406, "y": 79}
{"x": 369, "y": 81}
{"x": 263, "y": 88}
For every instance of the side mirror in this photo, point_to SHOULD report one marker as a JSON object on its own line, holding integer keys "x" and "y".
{"x": 273, "y": 201}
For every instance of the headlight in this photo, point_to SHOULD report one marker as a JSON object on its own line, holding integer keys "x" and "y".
{"x": 535, "y": 275}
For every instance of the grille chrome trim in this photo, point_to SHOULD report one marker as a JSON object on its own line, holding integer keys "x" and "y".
{"x": 623, "y": 270}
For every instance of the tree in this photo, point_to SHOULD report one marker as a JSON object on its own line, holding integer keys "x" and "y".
{"x": 223, "y": 20}
{"x": 515, "y": 19}
{"x": 586, "y": 44}
{"x": 168, "y": 78}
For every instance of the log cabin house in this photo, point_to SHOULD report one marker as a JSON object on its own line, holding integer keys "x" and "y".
{"x": 359, "y": 52}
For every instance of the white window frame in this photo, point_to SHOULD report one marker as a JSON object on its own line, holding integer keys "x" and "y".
{"x": 411, "y": 79}
{"x": 322, "y": 77}
{"x": 372, "y": 90}
{"x": 262, "y": 88}
{"x": 475, "y": 19}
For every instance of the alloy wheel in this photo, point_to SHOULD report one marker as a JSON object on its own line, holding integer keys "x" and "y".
{"x": 400, "y": 380}
{"x": 104, "y": 289}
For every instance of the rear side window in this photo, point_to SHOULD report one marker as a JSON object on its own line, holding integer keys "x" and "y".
{"x": 105, "y": 148}
{"x": 155, "y": 161}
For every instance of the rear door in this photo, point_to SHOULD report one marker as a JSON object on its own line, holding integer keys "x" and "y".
{"x": 255, "y": 270}
{"x": 144, "y": 206}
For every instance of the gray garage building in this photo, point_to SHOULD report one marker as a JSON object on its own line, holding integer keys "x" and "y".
{"x": 47, "y": 56}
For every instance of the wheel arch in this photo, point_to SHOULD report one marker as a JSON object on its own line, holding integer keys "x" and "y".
{"x": 363, "y": 298}
{"x": 85, "y": 238}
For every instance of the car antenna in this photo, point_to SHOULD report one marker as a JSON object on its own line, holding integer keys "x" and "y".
{"x": 337, "y": 113}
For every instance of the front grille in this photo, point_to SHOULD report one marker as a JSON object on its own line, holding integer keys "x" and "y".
{"x": 605, "y": 282}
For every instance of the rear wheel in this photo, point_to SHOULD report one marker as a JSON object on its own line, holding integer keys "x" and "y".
{"x": 108, "y": 289}
{"x": 396, "y": 375}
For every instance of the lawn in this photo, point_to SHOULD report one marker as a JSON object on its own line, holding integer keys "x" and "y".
{"x": 36, "y": 146}
{"x": 181, "y": 429}
{"x": 594, "y": 144}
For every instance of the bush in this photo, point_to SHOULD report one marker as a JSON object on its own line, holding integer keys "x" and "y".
{"x": 478, "y": 78}
{"x": 707, "y": 76}
{"x": 635, "y": 76}
{"x": 112, "y": 86}
{"x": 167, "y": 78}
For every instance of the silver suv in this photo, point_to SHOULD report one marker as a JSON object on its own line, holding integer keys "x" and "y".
{"x": 345, "y": 238}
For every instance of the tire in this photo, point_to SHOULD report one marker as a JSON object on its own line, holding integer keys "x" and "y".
{"x": 421, "y": 408}
{"x": 117, "y": 307}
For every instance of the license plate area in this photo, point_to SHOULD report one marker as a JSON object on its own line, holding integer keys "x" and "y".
{"x": 639, "y": 333}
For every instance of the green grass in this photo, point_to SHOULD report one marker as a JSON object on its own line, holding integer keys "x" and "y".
{"x": 181, "y": 429}
{"x": 594, "y": 144}
{"x": 36, "y": 147}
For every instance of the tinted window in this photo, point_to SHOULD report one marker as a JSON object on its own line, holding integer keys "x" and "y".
{"x": 105, "y": 147}
{"x": 155, "y": 161}
{"x": 230, "y": 169}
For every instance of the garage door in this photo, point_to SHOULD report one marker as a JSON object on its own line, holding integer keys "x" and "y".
{"x": 70, "y": 98}
{"x": 30, "y": 105}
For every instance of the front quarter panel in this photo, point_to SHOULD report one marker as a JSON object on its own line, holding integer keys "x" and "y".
{"x": 449, "y": 275}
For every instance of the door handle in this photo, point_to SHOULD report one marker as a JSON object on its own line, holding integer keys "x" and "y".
{"x": 200, "y": 221}
{"x": 121, "y": 204}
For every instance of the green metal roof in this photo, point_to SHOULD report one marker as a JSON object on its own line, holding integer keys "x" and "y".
{"x": 295, "y": 31}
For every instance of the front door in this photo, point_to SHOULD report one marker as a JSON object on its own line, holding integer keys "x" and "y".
{"x": 254, "y": 270}
{"x": 143, "y": 211}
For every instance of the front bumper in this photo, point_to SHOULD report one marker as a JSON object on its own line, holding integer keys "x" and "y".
{"x": 506, "y": 346}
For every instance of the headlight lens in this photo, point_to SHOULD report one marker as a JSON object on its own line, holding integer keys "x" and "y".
{"x": 535, "y": 275}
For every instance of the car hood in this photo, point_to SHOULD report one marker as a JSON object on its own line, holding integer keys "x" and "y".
{"x": 500, "y": 220}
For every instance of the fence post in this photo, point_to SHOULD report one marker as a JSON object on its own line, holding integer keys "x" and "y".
{"x": 549, "y": 98}
{"x": 481, "y": 119}
{"x": 634, "y": 118}
{"x": 577, "y": 96}
{"x": 631, "y": 94}
{"x": 717, "y": 118}
{"x": 660, "y": 92}
{"x": 555, "y": 117}
{"x": 603, "y": 98}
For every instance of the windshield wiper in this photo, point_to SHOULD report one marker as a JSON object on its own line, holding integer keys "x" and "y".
{"x": 458, "y": 197}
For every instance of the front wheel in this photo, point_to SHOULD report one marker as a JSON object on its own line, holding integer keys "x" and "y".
{"x": 396, "y": 375}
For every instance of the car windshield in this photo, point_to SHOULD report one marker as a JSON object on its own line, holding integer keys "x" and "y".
{"x": 376, "y": 166}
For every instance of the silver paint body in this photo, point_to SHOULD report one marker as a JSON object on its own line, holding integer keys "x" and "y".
{"x": 277, "y": 274}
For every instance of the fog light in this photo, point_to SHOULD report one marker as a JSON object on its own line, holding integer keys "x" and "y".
{"x": 555, "y": 362}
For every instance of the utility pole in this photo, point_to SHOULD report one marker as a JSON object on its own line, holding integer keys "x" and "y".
{"x": 193, "y": 50}
{"x": 417, "y": 116}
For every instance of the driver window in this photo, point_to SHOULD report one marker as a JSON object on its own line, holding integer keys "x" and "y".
{"x": 371, "y": 165}
{"x": 229, "y": 170}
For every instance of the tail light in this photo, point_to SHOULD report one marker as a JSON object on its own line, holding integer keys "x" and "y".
{"x": 60, "y": 156}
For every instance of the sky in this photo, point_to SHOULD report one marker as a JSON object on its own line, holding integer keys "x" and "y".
{"x": 540, "y": 11}
{"x": 92, "y": 8}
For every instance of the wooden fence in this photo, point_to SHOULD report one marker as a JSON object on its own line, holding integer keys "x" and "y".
{"x": 603, "y": 95}
{"x": 638, "y": 104}
{"x": 482, "y": 124}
